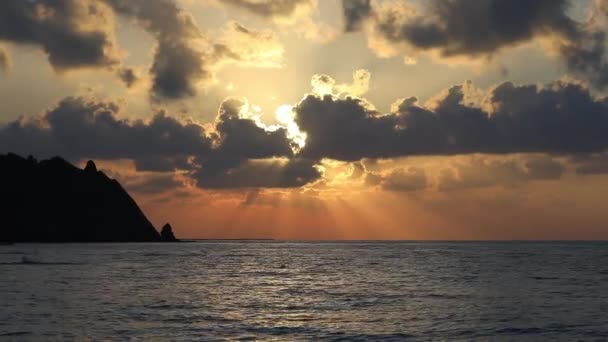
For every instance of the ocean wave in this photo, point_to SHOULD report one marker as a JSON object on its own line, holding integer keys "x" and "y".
{"x": 323, "y": 294}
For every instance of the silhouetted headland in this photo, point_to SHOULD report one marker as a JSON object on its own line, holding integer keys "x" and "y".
{"x": 54, "y": 201}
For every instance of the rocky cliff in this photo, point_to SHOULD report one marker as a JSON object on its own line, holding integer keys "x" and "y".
{"x": 54, "y": 201}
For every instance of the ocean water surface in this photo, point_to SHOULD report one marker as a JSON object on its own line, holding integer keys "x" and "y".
{"x": 271, "y": 290}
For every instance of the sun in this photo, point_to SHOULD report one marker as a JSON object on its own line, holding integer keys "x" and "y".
{"x": 285, "y": 115}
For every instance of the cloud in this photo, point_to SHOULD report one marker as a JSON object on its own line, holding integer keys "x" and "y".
{"x": 250, "y": 154}
{"x": 80, "y": 128}
{"x": 479, "y": 172}
{"x": 76, "y": 34}
{"x": 544, "y": 168}
{"x": 156, "y": 163}
{"x": 129, "y": 76}
{"x": 307, "y": 200}
{"x": 150, "y": 183}
{"x": 245, "y": 138}
{"x": 560, "y": 118}
{"x": 480, "y": 29}
{"x": 323, "y": 84}
{"x": 477, "y": 28}
{"x": 271, "y": 8}
{"x": 178, "y": 65}
{"x": 296, "y": 14}
{"x": 249, "y": 47}
{"x": 144, "y": 182}
{"x": 251, "y": 198}
{"x": 595, "y": 164}
{"x": 602, "y": 5}
{"x": 355, "y": 12}
{"x": 5, "y": 60}
{"x": 186, "y": 58}
{"x": 586, "y": 56}
{"x": 343, "y": 129}
{"x": 73, "y": 33}
{"x": 177, "y": 70}
{"x": 463, "y": 172}
{"x": 239, "y": 151}
{"x": 404, "y": 180}
{"x": 273, "y": 173}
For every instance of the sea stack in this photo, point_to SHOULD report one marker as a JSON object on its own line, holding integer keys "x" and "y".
{"x": 166, "y": 234}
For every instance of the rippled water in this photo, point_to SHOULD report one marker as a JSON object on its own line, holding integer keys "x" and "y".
{"x": 301, "y": 291}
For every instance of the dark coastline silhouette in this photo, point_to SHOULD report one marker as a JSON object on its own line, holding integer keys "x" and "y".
{"x": 54, "y": 201}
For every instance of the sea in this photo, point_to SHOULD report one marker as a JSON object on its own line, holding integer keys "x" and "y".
{"x": 302, "y": 291}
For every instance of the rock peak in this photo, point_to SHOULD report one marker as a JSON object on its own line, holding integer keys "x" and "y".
{"x": 166, "y": 234}
{"x": 91, "y": 167}
{"x": 55, "y": 201}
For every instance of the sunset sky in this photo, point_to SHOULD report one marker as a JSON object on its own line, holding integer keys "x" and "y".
{"x": 323, "y": 119}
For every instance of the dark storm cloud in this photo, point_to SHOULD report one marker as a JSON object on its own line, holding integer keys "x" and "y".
{"x": 355, "y": 13}
{"x": 177, "y": 66}
{"x": 482, "y": 28}
{"x": 463, "y": 27}
{"x": 80, "y": 33}
{"x": 586, "y": 56}
{"x": 237, "y": 154}
{"x": 561, "y": 118}
{"x": 269, "y": 8}
{"x": 184, "y": 56}
{"x": 344, "y": 129}
{"x": 78, "y": 128}
{"x": 239, "y": 151}
{"x": 241, "y": 156}
{"x": 73, "y": 33}
{"x": 260, "y": 174}
{"x": 242, "y": 138}
{"x": 176, "y": 70}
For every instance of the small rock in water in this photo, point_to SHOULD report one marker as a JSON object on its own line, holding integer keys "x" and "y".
{"x": 166, "y": 234}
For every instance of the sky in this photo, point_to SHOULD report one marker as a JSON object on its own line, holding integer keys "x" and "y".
{"x": 333, "y": 119}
